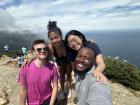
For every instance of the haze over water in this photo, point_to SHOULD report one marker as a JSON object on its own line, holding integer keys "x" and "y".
{"x": 122, "y": 43}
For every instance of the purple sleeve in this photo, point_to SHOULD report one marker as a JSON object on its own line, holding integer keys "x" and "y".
{"x": 55, "y": 75}
{"x": 22, "y": 77}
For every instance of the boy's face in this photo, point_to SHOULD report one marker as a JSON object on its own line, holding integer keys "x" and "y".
{"x": 41, "y": 51}
{"x": 85, "y": 58}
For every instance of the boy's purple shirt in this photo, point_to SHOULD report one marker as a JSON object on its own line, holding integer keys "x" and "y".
{"x": 38, "y": 82}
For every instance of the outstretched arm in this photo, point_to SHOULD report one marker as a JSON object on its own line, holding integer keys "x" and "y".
{"x": 100, "y": 63}
{"x": 98, "y": 72}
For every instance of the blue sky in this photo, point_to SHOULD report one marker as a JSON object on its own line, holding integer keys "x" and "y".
{"x": 70, "y": 14}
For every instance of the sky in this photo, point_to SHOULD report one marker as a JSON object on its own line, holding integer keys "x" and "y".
{"x": 84, "y": 15}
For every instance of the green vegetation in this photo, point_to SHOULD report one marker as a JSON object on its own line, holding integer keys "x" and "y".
{"x": 11, "y": 53}
{"x": 123, "y": 72}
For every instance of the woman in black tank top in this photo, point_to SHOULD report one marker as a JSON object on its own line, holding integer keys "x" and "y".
{"x": 60, "y": 51}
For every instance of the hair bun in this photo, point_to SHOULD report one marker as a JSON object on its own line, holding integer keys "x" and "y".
{"x": 51, "y": 24}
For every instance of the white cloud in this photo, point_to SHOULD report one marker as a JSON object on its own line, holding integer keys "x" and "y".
{"x": 6, "y": 20}
{"x": 3, "y": 2}
{"x": 76, "y": 14}
{"x": 111, "y": 3}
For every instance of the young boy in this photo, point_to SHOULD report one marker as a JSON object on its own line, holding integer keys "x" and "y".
{"x": 36, "y": 80}
{"x": 89, "y": 90}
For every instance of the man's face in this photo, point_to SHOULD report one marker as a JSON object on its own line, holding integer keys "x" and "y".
{"x": 85, "y": 58}
{"x": 41, "y": 51}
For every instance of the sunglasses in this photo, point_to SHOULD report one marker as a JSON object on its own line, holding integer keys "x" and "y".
{"x": 45, "y": 49}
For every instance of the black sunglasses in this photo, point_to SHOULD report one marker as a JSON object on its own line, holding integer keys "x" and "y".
{"x": 42, "y": 49}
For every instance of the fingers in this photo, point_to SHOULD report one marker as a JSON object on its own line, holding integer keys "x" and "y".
{"x": 104, "y": 79}
{"x": 25, "y": 64}
{"x": 100, "y": 77}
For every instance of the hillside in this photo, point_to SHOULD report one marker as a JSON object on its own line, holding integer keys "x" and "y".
{"x": 16, "y": 39}
{"x": 9, "y": 87}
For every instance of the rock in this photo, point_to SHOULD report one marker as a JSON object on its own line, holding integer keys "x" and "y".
{"x": 9, "y": 88}
{"x": 123, "y": 96}
{"x": 3, "y": 97}
{"x": 3, "y": 101}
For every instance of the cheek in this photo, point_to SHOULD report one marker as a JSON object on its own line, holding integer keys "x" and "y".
{"x": 76, "y": 60}
{"x": 46, "y": 54}
{"x": 34, "y": 53}
{"x": 58, "y": 40}
{"x": 52, "y": 41}
{"x": 80, "y": 43}
{"x": 87, "y": 61}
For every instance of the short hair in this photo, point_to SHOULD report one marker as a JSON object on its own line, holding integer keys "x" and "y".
{"x": 38, "y": 41}
{"x": 93, "y": 53}
{"x": 42, "y": 41}
{"x": 52, "y": 27}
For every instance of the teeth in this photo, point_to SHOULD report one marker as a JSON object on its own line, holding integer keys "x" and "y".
{"x": 80, "y": 65}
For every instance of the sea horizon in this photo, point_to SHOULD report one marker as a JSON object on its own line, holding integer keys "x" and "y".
{"x": 115, "y": 43}
{"x": 122, "y": 44}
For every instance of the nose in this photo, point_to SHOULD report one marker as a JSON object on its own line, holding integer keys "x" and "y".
{"x": 81, "y": 59}
{"x": 54, "y": 41}
{"x": 42, "y": 50}
{"x": 73, "y": 44}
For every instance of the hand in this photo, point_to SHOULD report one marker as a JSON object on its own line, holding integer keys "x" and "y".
{"x": 27, "y": 63}
{"x": 100, "y": 76}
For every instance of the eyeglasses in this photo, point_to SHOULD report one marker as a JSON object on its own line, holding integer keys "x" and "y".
{"x": 73, "y": 41}
{"x": 45, "y": 49}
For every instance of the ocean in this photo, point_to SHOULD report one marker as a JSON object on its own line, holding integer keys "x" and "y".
{"x": 122, "y": 43}
{"x": 118, "y": 43}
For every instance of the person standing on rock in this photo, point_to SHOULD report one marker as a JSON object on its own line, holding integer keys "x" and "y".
{"x": 6, "y": 48}
{"x": 89, "y": 90}
{"x": 60, "y": 51}
{"x": 20, "y": 58}
{"x": 39, "y": 81}
{"x": 24, "y": 50}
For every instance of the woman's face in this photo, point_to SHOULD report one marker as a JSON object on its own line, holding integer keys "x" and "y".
{"x": 75, "y": 42}
{"x": 54, "y": 38}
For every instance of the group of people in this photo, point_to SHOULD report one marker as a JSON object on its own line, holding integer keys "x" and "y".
{"x": 39, "y": 80}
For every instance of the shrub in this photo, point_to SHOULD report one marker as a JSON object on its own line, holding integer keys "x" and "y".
{"x": 123, "y": 72}
{"x": 11, "y": 53}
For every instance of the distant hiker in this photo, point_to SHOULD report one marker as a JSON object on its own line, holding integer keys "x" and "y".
{"x": 20, "y": 60}
{"x": 24, "y": 50}
{"x": 39, "y": 81}
{"x": 6, "y": 48}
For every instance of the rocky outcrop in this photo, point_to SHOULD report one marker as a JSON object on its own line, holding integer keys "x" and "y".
{"x": 9, "y": 87}
{"x": 124, "y": 96}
